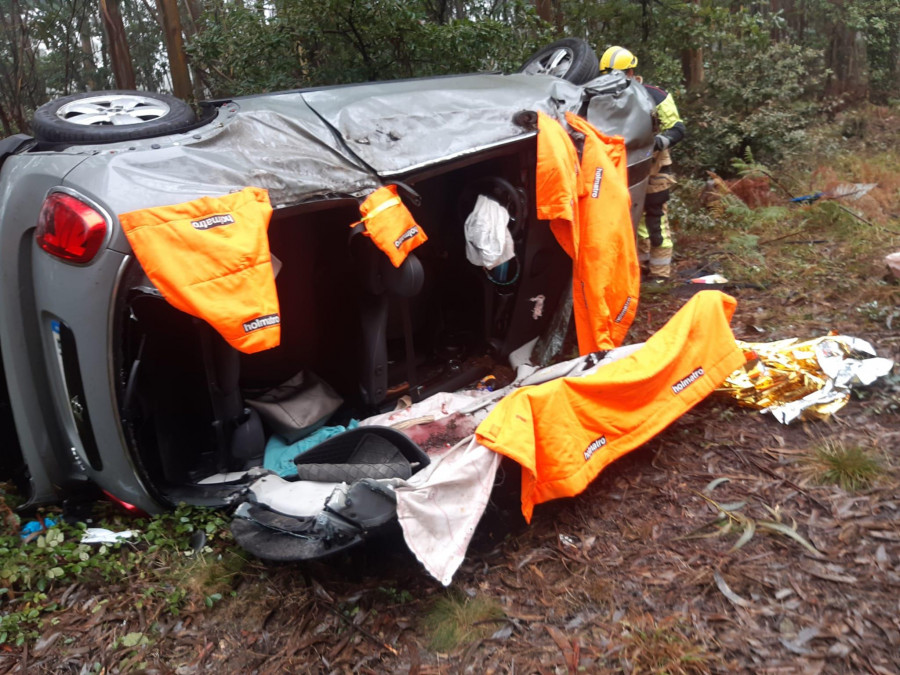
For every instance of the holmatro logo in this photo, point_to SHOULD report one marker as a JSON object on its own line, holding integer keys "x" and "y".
{"x": 594, "y": 447}
{"x": 262, "y": 322}
{"x": 684, "y": 383}
{"x": 621, "y": 315}
{"x": 409, "y": 234}
{"x": 598, "y": 176}
{"x": 213, "y": 221}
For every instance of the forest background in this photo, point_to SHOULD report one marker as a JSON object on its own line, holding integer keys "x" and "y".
{"x": 746, "y": 75}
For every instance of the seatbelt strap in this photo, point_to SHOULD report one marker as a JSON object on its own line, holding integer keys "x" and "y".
{"x": 411, "y": 378}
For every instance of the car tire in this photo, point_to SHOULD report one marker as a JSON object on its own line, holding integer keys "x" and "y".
{"x": 110, "y": 116}
{"x": 572, "y": 59}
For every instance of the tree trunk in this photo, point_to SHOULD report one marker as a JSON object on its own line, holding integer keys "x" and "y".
{"x": 544, "y": 10}
{"x": 848, "y": 62}
{"x": 692, "y": 61}
{"x": 88, "y": 67}
{"x": 171, "y": 22}
{"x": 692, "y": 68}
{"x": 192, "y": 28}
{"x": 4, "y": 119}
{"x": 119, "y": 53}
{"x": 195, "y": 11}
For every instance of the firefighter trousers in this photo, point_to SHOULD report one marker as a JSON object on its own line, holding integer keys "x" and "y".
{"x": 654, "y": 237}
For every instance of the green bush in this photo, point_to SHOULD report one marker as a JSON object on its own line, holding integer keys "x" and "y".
{"x": 760, "y": 100}
{"x": 342, "y": 41}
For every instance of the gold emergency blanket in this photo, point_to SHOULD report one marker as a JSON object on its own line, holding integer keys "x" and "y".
{"x": 810, "y": 380}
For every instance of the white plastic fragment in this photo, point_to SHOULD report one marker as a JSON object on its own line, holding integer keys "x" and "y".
{"x": 100, "y": 535}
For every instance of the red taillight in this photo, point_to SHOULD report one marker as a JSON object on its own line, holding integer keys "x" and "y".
{"x": 69, "y": 228}
{"x": 130, "y": 508}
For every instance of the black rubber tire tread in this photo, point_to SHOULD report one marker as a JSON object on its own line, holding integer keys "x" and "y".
{"x": 585, "y": 64}
{"x": 47, "y": 127}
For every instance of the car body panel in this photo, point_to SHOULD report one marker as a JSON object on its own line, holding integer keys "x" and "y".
{"x": 24, "y": 182}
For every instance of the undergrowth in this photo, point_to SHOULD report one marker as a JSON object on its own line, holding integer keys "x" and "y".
{"x": 805, "y": 254}
{"x": 166, "y": 562}
{"x": 664, "y": 646}
{"x": 456, "y": 620}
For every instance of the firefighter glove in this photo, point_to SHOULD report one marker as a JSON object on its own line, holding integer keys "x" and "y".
{"x": 661, "y": 142}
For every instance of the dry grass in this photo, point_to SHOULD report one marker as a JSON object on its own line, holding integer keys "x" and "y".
{"x": 851, "y": 467}
{"x": 666, "y": 646}
{"x": 456, "y": 620}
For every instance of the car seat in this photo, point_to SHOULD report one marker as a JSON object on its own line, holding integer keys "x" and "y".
{"x": 239, "y": 436}
{"x": 381, "y": 283}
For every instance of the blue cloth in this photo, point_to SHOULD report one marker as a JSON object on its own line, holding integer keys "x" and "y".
{"x": 33, "y": 526}
{"x": 807, "y": 199}
{"x": 279, "y": 456}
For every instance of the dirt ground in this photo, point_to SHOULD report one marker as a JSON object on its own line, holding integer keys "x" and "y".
{"x": 619, "y": 578}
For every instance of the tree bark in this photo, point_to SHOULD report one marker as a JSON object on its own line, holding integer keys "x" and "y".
{"x": 544, "y": 10}
{"x": 88, "y": 66}
{"x": 178, "y": 65}
{"x": 119, "y": 53}
{"x": 692, "y": 63}
{"x": 848, "y": 61}
{"x": 692, "y": 68}
{"x": 4, "y": 119}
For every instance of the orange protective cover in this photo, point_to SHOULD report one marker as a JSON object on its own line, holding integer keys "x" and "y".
{"x": 210, "y": 258}
{"x": 564, "y": 432}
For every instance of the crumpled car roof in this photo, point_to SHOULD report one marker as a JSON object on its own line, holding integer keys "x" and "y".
{"x": 338, "y": 141}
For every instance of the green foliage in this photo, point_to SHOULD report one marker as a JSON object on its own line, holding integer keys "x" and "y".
{"x": 174, "y": 530}
{"x": 395, "y": 596}
{"x": 163, "y": 557}
{"x": 759, "y": 101}
{"x": 340, "y": 41}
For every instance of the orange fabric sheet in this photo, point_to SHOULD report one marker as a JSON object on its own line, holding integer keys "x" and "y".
{"x": 564, "y": 432}
{"x": 390, "y": 225}
{"x": 210, "y": 258}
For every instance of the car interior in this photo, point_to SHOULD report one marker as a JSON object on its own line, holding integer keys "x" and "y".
{"x": 374, "y": 333}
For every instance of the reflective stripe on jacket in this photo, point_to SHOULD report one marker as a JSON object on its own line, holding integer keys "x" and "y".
{"x": 210, "y": 258}
{"x": 670, "y": 125}
{"x": 564, "y": 432}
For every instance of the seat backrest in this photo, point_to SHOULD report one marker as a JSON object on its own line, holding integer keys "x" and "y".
{"x": 381, "y": 281}
{"x": 378, "y": 275}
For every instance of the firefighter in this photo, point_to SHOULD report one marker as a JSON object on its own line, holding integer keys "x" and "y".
{"x": 654, "y": 236}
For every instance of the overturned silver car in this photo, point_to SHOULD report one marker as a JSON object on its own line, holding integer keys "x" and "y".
{"x": 109, "y": 387}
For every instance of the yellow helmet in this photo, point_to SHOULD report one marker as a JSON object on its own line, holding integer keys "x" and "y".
{"x": 617, "y": 58}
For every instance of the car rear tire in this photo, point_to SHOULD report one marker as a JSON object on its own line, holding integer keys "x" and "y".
{"x": 109, "y": 116}
{"x": 572, "y": 59}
